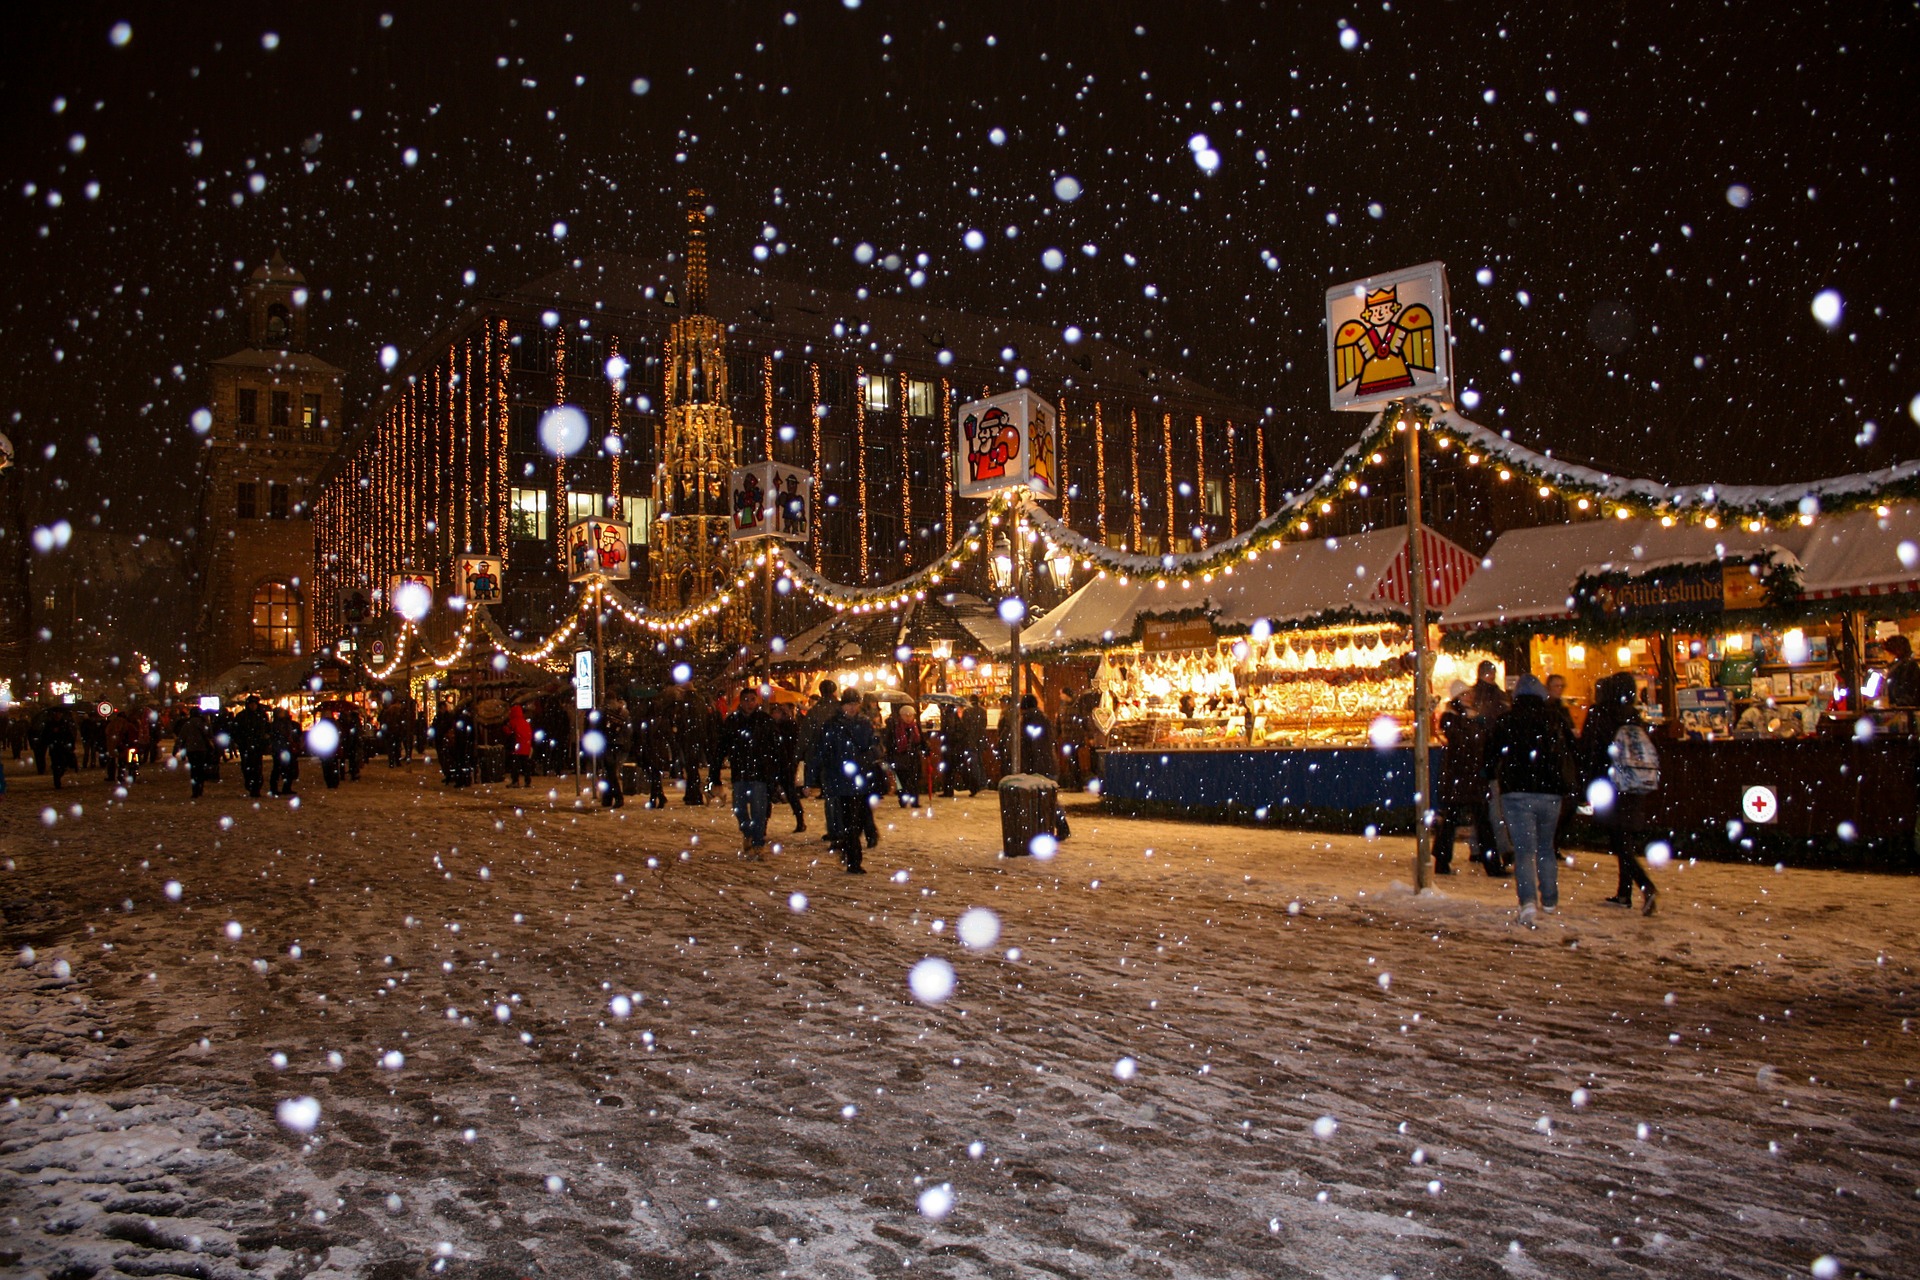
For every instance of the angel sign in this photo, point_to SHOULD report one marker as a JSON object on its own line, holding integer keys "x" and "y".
{"x": 1387, "y": 337}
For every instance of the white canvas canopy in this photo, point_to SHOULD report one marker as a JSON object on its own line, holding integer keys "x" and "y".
{"x": 1364, "y": 574}
{"x": 1861, "y": 554}
{"x": 1529, "y": 574}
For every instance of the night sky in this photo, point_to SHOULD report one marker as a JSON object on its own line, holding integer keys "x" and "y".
{"x": 1638, "y": 204}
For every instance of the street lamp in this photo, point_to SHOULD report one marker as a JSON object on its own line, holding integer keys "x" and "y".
{"x": 1060, "y": 569}
{"x": 1001, "y": 566}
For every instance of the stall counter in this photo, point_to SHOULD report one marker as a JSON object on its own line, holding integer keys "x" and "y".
{"x": 1341, "y": 785}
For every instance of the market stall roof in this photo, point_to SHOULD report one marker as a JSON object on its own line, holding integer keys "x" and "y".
{"x": 271, "y": 680}
{"x": 1364, "y": 575}
{"x": 966, "y": 621}
{"x": 1529, "y": 574}
{"x": 1863, "y": 554}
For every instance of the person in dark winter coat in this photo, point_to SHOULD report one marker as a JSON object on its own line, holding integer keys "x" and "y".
{"x": 57, "y": 736}
{"x": 283, "y": 740}
{"x": 750, "y": 740}
{"x": 826, "y": 705}
{"x": 653, "y": 746}
{"x": 689, "y": 740}
{"x": 611, "y": 721}
{"x": 196, "y": 743}
{"x": 843, "y": 757}
{"x": 1031, "y": 749}
{"x": 250, "y": 731}
{"x": 1616, "y": 704}
{"x": 1529, "y": 755}
{"x": 786, "y": 731}
{"x": 973, "y": 746}
{"x": 1460, "y": 797}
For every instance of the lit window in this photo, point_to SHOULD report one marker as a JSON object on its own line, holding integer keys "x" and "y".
{"x": 585, "y": 506}
{"x": 528, "y": 514}
{"x": 923, "y": 399}
{"x": 278, "y": 618}
{"x": 879, "y": 391}
{"x": 1216, "y": 497}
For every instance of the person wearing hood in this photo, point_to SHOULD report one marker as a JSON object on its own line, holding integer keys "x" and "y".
{"x": 1529, "y": 756}
{"x": 519, "y": 748}
{"x": 1461, "y": 794}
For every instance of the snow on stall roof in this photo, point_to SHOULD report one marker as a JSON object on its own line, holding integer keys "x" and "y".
{"x": 1529, "y": 573}
{"x": 1288, "y": 584}
{"x": 1860, "y": 552}
{"x": 1830, "y": 490}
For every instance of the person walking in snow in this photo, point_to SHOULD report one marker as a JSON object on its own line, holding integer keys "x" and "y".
{"x": 1529, "y": 757}
{"x": 1624, "y": 813}
{"x": 250, "y": 731}
{"x": 195, "y": 742}
{"x": 843, "y": 756}
{"x": 283, "y": 741}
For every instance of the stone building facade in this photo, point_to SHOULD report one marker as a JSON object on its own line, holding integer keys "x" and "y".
{"x": 275, "y": 409}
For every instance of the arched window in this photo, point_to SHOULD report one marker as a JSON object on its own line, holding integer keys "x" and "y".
{"x": 279, "y": 619}
{"x": 279, "y": 323}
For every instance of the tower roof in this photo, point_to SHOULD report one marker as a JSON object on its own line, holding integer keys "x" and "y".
{"x": 696, "y": 252}
{"x": 277, "y": 271}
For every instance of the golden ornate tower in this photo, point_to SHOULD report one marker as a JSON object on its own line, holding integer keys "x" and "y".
{"x": 690, "y": 557}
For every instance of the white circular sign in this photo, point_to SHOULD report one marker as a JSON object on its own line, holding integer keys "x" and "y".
{"x": 1759, "y": 804}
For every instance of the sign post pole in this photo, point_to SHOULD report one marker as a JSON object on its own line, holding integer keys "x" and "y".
{"x": 1018, "y": 763}
{"x": 766, "y": 628}
{"x": 1409, "y": 421}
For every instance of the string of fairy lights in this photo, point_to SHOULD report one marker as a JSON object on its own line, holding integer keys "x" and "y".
{"x": 1592, "y": 493}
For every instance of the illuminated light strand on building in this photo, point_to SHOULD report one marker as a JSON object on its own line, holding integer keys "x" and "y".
{"x": 1200, "y": 477}
{"x": 503, "y": 514}
{"x": 906, "y": 477}
{"x": 860, "y": 459}
{"x": 813, "y": 424}
{"x": 1233, "y": 481}
{"x": 1260, "y": 447}
{"x": 1166, "y": 459}
{"x": 1100, "y": 468}
{"x": 1133, "y": 456}
{"x": 946, "y": 461}
{"x": 766, "y": 400}
{"x": 464, "y": 505}
{"x": 618, "y": 462}
{"x": 1060, "y": 474}
{"x": 560, "y": 512}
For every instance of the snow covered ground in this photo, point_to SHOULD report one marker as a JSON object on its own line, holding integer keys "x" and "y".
{"x": 547, "y": 1041}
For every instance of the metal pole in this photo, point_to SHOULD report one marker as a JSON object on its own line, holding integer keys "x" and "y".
{"x": 766, "y": 630}
{"x": 1019, "y": 673}
{"x": 1422, "y": 690}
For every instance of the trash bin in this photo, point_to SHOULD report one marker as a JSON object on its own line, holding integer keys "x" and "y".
{"x": 1029, "y": 806}
{"x": 490, "y": 763}
{"x": 629, "y": 778}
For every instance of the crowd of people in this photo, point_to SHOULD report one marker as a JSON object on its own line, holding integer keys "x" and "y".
{"x": 1515, "y": 769}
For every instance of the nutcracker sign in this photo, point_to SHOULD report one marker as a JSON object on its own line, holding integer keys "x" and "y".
{"x": 1006, "y": 442}
{"x": 1387, "y": 338}
{"x": 598, "y": 547}
{"x": 770, "y": 500}
{"x": 480, "y": 578}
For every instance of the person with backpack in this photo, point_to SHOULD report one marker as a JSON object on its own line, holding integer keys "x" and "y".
{"x": 1531, "y": 760}
{"x": 1622, "y": 773}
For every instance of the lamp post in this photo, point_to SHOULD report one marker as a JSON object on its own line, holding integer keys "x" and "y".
{"x": 1009, "y": 571}
{"x": 1409, "y": 420}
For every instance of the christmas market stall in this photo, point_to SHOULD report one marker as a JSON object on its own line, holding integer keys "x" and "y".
{"x": 1765, "y": 653}
{"x": 943, "y": 643}
{"x": 1278, "y": 688}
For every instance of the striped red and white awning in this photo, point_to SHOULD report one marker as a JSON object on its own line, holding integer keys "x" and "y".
{"x": 1909, "y": 586}
{"x": 1448, "y": 567}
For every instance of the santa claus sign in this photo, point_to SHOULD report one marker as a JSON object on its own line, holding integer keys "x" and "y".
{"x": 1387, "y": 338}
{"x": 1006, "y": 442}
